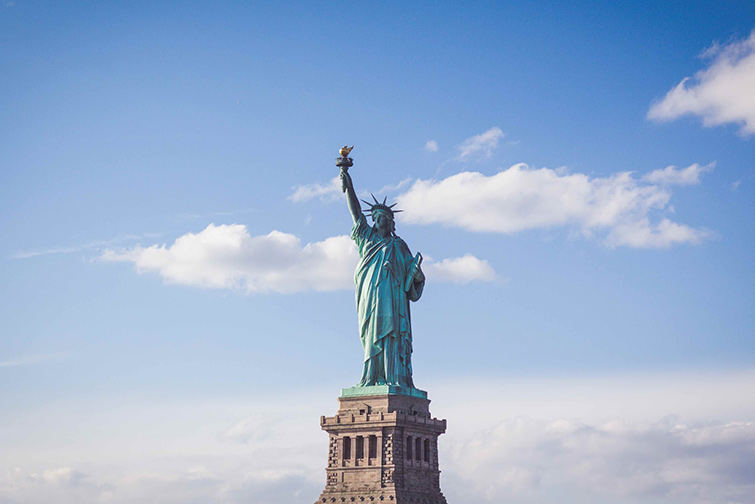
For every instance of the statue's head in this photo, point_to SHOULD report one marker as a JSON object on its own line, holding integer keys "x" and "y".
{"x": 384, "y": 223}
{"x": 383, "y": 215}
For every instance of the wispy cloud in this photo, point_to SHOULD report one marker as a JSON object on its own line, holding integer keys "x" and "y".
{"x": 251, "y": 428}
{"x": 33, "y": 359}
{"x": 93, "y": 245}
{"x": 480, "y": 146}
{"x": 228, "y": 257}
{"x": 388, "y": 189}
{"x": 327, "y": 193}
{"x": 332, "y": 192}
{"x": 722, "y": 93}
{"x": 431, "y": 146}
{"x": 672, "y": 175}
{"x": 519, "y": 198}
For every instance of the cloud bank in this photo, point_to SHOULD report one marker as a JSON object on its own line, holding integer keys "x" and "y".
{"x": 65, "y": 485}
{"x": 228, "y": 257}
{"x": 720, "y": 94}
{"x": 519, "y": 198}
{"x": 636, "y": 439}
{"x": 661, "y": 461}
{"x": 519, "y": 459}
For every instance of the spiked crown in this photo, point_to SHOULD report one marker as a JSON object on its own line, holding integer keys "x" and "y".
{"x": 380, "y": 207}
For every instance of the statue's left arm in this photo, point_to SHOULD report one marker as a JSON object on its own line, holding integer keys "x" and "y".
{"x": 415, "y": 278}
{"x": 418, "y": 285}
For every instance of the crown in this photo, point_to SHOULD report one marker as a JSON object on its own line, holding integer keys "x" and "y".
{"x": 381, "y": 207}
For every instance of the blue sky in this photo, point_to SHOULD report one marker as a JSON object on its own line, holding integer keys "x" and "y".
{"x": 177, "y": 293}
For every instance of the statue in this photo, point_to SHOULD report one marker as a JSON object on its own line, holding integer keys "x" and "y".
{"x": 387, "y": 278}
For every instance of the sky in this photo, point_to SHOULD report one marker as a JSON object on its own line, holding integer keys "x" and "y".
{"x": 177, "y": 300}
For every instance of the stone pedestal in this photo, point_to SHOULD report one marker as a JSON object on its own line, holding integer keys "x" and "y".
{"x": 383, "y": 448}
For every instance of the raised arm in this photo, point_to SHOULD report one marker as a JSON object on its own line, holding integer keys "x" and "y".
{"x": 351, "y": 197}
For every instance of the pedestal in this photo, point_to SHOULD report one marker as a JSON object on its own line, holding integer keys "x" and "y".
{"x": 383, "y": 448}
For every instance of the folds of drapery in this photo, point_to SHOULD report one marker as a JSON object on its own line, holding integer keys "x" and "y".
{"x": 383, "y": 306}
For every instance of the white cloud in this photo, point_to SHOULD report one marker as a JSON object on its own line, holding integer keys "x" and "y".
{"x": 330, "y": 192}
{"x": 641, "y": 234}
{"x": 673, "y": 176}
{"x": 61, "y": 476}
{"x": 431, "y": 146}
{"x": 480, "y": 146}
{"x": 227, "y": 257}
{"x": 520, "y": 198}
{"x": 721, "y": 93}
{"x": 461, "y": 270}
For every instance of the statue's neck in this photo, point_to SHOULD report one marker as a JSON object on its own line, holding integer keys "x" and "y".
{"x": 383, "y": 236}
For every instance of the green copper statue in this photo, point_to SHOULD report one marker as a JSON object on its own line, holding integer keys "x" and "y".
{"x": 387, "y": 278}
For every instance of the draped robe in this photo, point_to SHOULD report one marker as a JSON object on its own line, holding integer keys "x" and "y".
{"x": 383, "y": 306}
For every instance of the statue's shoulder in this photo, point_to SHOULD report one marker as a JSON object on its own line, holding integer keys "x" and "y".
{"x": 360, "y": 227}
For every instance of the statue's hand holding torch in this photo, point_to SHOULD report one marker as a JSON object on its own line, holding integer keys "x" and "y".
{"x": 346, "y": 180}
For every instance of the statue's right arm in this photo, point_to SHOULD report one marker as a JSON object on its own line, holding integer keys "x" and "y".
{"x": 351, "y": 196}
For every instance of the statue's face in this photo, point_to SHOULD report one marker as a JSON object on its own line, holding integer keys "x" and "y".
{"x": 383, "y": 224}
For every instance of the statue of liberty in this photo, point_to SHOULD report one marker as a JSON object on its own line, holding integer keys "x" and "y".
{"x": 387, "y": 278}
